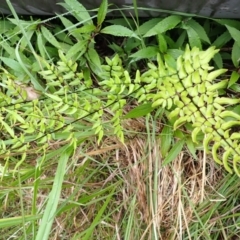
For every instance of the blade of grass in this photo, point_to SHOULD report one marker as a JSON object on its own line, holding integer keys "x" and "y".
{"x": 50, "y": 211}
{"x": 98, "y": 217}
{"x": 22, "y": 206}
{"x": 10, "y": 222}
{"x": 130, "y": 219}
{"x": 35, "y": 82}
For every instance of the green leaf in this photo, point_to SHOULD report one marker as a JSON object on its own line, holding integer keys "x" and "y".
{"x": 234, "y": 33}
{"x": 218, "y": 60}
{"x": 41, "y": 44}
{"x": 233, "y": 79}
{"x": 164, "y": 25}
{"x": 147, "y": 52}
{"x": 139, "y": 111}
{"x": 191, "y": 147}
{"x": 166, "y": 138}
{"x": 77, "y": 10}
{"x": 199, "y": 29}
{"x": 222, "y": 40}
{"x": 54, "y": 97}
{"x": 78, "y": 48}
{"x": 236, "y": 54}
{"x": 85, "y": 29}
{"x": 62, "y": 35}
{"x": 193, "y": 38}
{"x": 94, "y": 60}
{"x": 13, "y": 64}
{"x": 8, "y": 128}
{"x": 67, "y": 24}
{"x": 126, "y": 22}
{"x": 6, "y": 25}
{"x": 170, "y": 61}
{"x": 229, "y": 22}
{"x": 177, "y": 148}
{"x": 181, "y": 39}
{"x": 144, "y": 28}
{"x": 102, "y": 12}
{"x": 162, "y": 44}
{"x": 175, "y": 52}
{"x": 235, "y": 87}
{"x": 50, "y": 38}
{"x": 26, "y": 39}
{"x": 119, "y": 31}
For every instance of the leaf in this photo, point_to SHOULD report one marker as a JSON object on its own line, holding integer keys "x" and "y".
{"x": 139, "y": 111}
{"x": 181, "y": 39}
{"x": 175, "y": 52}
{"x": 54, "y": 97}
{"x": 222, "y": 40}
{"x": 236, "y": 54}
{"x": 147, "y": 52}
{"x": 193, "y": 38}
{"x": 40, "y": 45}
{"x": 26, "y": 39}
{"x": 233, "y": 79}
{"x": 67, "y": 24}
{"x": 170, "y": 61}
{"x": 199, "y": 29}
{"x": 6, "y": 25}
{"x": 190, "y": 145}
{"x": 235, "y": 87}
{"x": 162, "y": 44}
{"x": 177, "y": 148}
{"x": 79, "y": 47}
{"x": 126, "y": 22}
{"x": 229, "y": 22}
{"x": 94, "y": 60}
{"x": 77, "y": 10}
{"x": 62, "y": 35}
{"x": 119, "y": 31}
{"x": 218, "y": 60}
{"x": 85, "y": 29}
{"x": 13, "y": 64}
{"x": 164, "y": 25}
{"x": 50, "y": 38}
{"x": 166, "y": 138}
{"x": 8, "y": 128}
{"x": 144, "y": 28}
{"x": 234, "y": 33}
{"x": 102, "y": 12}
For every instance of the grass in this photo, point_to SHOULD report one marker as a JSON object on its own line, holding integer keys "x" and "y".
{"x": 122, "y": 192}
{"x": 110, "y": 190}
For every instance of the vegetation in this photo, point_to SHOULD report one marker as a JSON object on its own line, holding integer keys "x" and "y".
{"x": 116, "y": 128}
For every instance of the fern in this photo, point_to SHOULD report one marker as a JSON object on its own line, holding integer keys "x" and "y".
{"x": 186, "y": 88}
{"x": 190, "y": 93}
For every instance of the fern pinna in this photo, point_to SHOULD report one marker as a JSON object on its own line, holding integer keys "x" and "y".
{"x": 186, "y": 88}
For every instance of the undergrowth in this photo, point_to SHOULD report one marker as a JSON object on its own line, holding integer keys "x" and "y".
{"x": 106, "y": 122}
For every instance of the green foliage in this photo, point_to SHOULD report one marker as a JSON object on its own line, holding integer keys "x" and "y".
{"x": 61, "y": 85}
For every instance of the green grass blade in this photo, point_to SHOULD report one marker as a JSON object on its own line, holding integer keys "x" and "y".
{"x": 98, "y": 217}
{"x": 130, "y": 219}
{"x": 9, "y": 222}
{"x": 50, "y": 211}
{"x": 177, "y": 148}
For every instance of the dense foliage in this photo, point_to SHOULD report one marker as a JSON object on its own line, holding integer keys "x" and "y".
{"x": 68, "y": 80}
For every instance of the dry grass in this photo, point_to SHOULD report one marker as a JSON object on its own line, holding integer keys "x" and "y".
{"x": 162, "y": 200}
